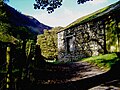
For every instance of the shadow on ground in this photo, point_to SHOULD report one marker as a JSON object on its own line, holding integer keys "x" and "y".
{"x": 109, "y": 78}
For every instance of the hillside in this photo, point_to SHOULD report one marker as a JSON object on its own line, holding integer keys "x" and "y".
{"x": 18, "y": 19}
{"x": 94, "y": 15}
{"x": 15, "y": 26}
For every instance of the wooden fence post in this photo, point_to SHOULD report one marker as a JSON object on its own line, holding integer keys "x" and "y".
{"x": 8, "y": 69}
{"x": 38, "y": 57}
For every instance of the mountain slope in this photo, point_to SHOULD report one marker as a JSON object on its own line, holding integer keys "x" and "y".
{"x": 18, "y": 19}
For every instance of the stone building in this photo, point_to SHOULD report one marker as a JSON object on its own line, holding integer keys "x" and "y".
{"x": 89, "y": 37}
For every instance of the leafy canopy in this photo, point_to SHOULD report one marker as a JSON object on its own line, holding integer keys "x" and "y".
{"x": 51, "y": 5}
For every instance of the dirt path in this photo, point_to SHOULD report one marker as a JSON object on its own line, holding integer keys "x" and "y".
{"x": 62, "y": 73}
{"x": 71, "y": 75}
{"x": 84, "y": 70}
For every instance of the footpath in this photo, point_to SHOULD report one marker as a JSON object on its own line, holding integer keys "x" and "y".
{"x": 73, "y": 76}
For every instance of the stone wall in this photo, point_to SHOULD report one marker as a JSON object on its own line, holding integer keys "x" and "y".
{"x": 83, "y": 41}
{"x": 89, "y": 38}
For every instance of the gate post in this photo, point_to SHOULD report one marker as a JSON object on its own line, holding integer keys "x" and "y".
{"x": 39, "y": 59}
{"x": 8, "y": 69}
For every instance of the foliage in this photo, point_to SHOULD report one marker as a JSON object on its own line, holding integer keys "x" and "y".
{"x": 50, "y": 5}
{"x": 48, "y": 43}
{"x": 103, "y": 61}
{"x": 9, "y": 32}
{"x": 111, "y": 37}
{"x": 4, "y": 36}
{"x": 4, "y": 26}
{"x": 22, "y": 33}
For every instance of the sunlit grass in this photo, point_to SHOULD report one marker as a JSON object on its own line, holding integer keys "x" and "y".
{"x": 51, "y": 61}
{"x": 103, "y": 61}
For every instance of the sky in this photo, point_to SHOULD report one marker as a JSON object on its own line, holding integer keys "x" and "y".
{"x": 63, "y": 16}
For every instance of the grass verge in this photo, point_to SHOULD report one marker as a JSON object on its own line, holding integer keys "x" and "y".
{"x": 103, "y": 61}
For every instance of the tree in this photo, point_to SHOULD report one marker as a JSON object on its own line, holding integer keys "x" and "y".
{"x": 4, "y": 26}
{"x": 48, "y": 43}
{"x": 51, "y": 5}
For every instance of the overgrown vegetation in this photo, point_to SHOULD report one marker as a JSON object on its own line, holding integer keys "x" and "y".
{"x": 48, "y": 43}
{"x": 19, "y": 36}
{"x": 112, "y": 37}
{"x": 4, "y": 26}
{"x": 103, "y": 61}
{"x": 9, "y": 31}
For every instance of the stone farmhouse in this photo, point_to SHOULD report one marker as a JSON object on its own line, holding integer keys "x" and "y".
{"x": 91, "y": 35}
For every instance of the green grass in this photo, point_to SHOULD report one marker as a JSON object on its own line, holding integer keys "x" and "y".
{"x": 103, "y": 61}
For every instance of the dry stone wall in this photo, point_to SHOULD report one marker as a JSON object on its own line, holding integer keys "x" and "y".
{"x": 88, "y": 38}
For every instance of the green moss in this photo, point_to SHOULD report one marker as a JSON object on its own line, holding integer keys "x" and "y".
{"x": 90, "y": 16}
